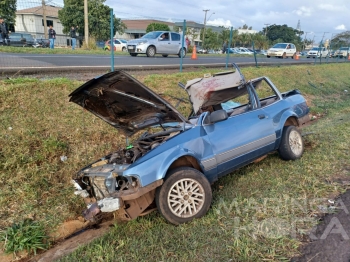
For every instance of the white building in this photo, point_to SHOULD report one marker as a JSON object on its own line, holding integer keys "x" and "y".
{"x": 31, "y": 21}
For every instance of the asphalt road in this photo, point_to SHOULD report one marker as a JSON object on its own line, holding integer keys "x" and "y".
{"x": 17, "y": 61}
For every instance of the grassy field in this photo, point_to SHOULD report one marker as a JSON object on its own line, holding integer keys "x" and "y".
{"x": 261, "y": 212}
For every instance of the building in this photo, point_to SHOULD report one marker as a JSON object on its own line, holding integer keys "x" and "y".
{"x": 137, "y": 28}
{"x": 31, "y": 21}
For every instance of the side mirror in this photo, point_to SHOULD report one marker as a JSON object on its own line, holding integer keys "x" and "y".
{"x": 218, "y": 116}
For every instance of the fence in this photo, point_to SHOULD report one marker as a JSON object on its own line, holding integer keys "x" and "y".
{"x": 30, "y": 28}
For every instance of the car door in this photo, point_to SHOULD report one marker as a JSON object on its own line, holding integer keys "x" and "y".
{"x": 117, "y": 45}
{"x": 175, "y": 43}
{"x": 291, "y": 50}
{"x": 246, "y": 135}
{"x": 163, "y": 45}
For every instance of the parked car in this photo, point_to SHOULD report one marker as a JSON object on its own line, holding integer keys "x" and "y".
{"x": 331, "y": 53}
{"x": 282, "y": 50}
{"x": 244, "y": 51}
{"x": 317, "y": 52}
{"x": 43, "y": 43}
{"x": 201, "y": 50}
{"x": 232, "y": 50}
{"x": 19, "y": 39}
{"x": 101, "y": 44}
{"x": 173, "y": 163}
{"x": 152, "y": 43}
{"x": 16, "y": 39}
{"x": 342, "y": 52}
{"x": 119, "y": 45}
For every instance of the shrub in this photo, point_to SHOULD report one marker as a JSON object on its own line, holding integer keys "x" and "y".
{"x": 27, "y": 235}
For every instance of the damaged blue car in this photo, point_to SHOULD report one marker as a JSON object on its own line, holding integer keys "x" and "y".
{"x": 233, "y": 123}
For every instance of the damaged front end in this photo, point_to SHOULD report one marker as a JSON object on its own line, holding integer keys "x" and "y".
{"x": 105, "y": 189}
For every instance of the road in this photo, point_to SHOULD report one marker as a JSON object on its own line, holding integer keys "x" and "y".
{"x": 17, "y": 61}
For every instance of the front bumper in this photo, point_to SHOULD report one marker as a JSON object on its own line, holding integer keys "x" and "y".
{"x": 274, "y": 53}
{"x": 138, "y": 49}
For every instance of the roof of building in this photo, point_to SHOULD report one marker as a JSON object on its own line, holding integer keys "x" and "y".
{"x": 141, "y": 24}
{"x": 50, "y": 10}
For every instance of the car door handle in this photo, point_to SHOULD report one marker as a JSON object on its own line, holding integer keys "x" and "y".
{"x": 261, "y": 116}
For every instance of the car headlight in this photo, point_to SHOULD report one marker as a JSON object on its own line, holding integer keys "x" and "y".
{"x": 142, "y": 43}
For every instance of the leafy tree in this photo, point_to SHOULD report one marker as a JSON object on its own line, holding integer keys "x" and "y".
{"x": 72, "y": 14}
{"x": 260, "y": 41}
{"x": 244, "y": 39}
{"x": 225, "y": 36}
{"x": 157, "y": 27}
{"x": 282, "y": 33}
{"x": 8, "y": 12}
{"x": 341, "y": 39}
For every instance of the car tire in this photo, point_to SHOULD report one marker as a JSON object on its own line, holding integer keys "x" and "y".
{"x": 151, "y": 51}
{"x": 133, "y": 54}
{"x": 182, "y": 52}
{"x": 164, "y": 55}
{"x": 185, "y": 194}
{"x": 124, "y": 49}
{"x": 284, "y": 56}
{"x": 292, "y": 145}
{"x": 268, "y": 56}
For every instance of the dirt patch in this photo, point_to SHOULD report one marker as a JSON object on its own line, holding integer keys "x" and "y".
{"x": 67, "y": 246}
{"x": 330, "y": 240}
{"x": 68, "y": 228}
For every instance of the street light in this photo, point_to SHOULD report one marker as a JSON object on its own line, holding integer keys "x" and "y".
{"x": 205, "y": 22}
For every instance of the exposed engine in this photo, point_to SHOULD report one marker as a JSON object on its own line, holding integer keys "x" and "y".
{"x": 141, "y": 146}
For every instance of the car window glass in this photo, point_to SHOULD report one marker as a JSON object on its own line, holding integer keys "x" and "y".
{"x": 175, "y": 37}
{"x": 117, "y": 42}
{"x": 237, "y": 105}
{"x": 265, "y": 93}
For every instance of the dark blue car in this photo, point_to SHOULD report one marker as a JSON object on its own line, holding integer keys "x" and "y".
{"x": 233, "y": 123}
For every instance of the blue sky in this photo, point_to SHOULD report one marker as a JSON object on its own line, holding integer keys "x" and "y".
{"x": 320, "y": 18}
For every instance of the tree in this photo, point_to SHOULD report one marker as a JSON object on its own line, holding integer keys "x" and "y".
{"x": 157, "y": 27}
{"x": 341, "y": 39}
{"x": 260, "y": 41}
{"x": 8, "y": 12}
{"x": 72, "y": 14}
{"x": 244, "y": 39}
{"x": 283, "y": 33}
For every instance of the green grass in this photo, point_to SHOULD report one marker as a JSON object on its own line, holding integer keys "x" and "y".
{"x": 259, "y": 212}
{"x": 27, "y": 235}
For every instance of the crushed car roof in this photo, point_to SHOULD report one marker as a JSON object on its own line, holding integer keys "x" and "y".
{"x": 216, "y": 89}
{"x": 124, "y": 102}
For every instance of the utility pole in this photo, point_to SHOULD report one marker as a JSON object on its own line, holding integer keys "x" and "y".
{"x": 305, "y": 40}
{"x": 44, "y": 18}
{"x": 86, "y": 23}
{"x": 205, "y": 21}
{"x": 266, "y": 25}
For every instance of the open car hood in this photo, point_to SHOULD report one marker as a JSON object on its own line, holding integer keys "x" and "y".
{"x": 215, "y": 89}
{"x": 125, "y": 103}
